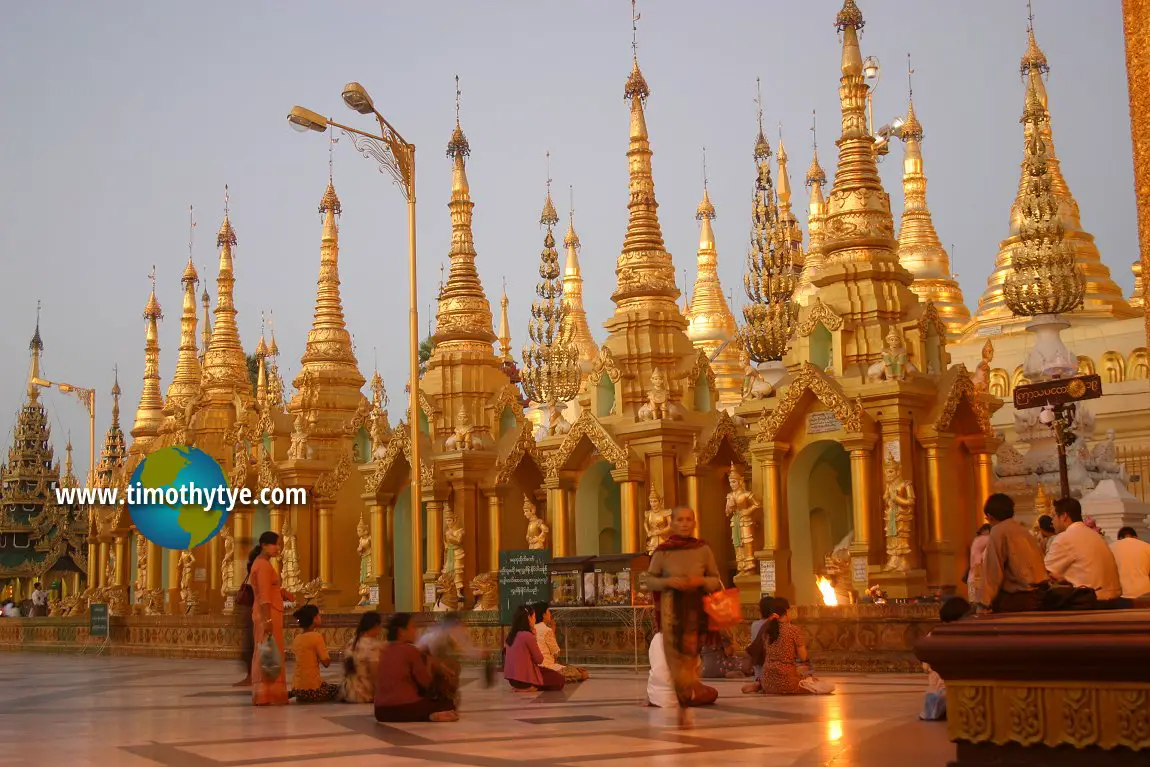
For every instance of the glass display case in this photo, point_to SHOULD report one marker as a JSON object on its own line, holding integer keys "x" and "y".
{"x": 618, "y": 580}
{"x": 569, "y": 581}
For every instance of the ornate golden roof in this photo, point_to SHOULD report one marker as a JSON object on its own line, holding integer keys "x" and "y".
{"x": 919, "y": 249}
{"x": 150, "y": 411}
{"x": 464, "y": 314}
{"x": 225, "y": 367}
{"x": 1103, "y": 298}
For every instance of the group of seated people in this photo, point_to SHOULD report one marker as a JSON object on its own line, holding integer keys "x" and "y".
{"x": 413, "y": 677}
{"x": 1079, "y": 570}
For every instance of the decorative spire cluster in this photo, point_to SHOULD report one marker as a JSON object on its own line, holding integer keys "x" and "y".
{"x": 504, "y": 327}
{"x": 464, "y": 314}
{"x": 36, "y": 348}
{"x": 573, "y": 292}
{"x": 816, "y": 215}
{"x": 225, "y": 367}
{"x": 644, "y": 271}
{"x": 919, "y": 249}
{"x": 186, "y": 380}
{"x": 792, "y": 234}
{"x": 328, "y": 350}
{"x": 150, "y": 411}
{"x": 770, "y": 278}
{"x": 114, "y": 450}
{"x": 711, "y": 325}
{"x": 550, "y": 358}
{"x": 1045, "y": 279}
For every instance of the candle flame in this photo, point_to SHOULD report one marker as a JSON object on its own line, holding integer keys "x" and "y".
{"x": 830, "y": 598}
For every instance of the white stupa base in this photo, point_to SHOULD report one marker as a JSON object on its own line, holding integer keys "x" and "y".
{"x": 1113, "y": 507}
{"x": 1050, "y": 357}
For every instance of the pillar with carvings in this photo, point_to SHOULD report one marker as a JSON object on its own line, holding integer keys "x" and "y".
{"x": 774, "y": 556}
{"x": 631, "y": 538}
{"x": 863, "y": 497}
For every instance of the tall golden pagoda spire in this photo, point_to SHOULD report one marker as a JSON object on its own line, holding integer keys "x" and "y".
{"x": 464, "y": 315}
{"x": 711, "y": 325}
{"x": 919, "y": 249}
{"x": 206, "y": 333}
{"x": 1103, "y": 298}
{"x": 645, "y": 272}
{"x": 504, "y": 327}
{"x": 861, "y": 279}
{"x": 186, "y": 380}
{"x": 788, "y": 223}
{"x": 816, "y": 215}
{"x": 35, "y": 347}
{"x": 225, "y": 366}
{"x": 114, "y": 451}
{"x": 150, "y": 411}
{"x": 261, "y": 365}
{"x": 573, "y": 290}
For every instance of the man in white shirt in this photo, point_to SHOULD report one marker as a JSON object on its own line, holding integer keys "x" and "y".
{"x": 660, "y": 692}
{"x": 1133, "y": 558}
{"x": 39, "y": 601}
{"x": 1079, "y": 556}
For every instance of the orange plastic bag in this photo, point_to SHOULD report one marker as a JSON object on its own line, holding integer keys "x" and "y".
{"x": 723, "y": 609}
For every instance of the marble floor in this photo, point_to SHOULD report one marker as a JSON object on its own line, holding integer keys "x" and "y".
{"x": 130, "y": 712}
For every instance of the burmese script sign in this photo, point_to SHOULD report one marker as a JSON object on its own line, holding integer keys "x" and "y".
{"x": 98, "y": 621}
{"x": 523, "y": 578}
{"x": 822, "y": 422}
{"x": 1059, "y": 391}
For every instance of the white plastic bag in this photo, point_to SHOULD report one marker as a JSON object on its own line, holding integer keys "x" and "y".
{"x": 813, "y": 684}
{"x": 271, "y": 662}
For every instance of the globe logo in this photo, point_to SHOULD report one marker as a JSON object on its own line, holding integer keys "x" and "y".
{"x": 178, "y": 498}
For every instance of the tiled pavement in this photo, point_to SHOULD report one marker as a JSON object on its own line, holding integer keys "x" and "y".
{"x": 133, "y": 712}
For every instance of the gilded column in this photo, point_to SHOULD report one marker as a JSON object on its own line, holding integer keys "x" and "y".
{"x": 103, "y": 551}
{"x": 693, "y": 493}
{"x": 774, "y": 554}
{"x": 984, "y": 482}
{"x": 562, "y": 542}
{"x": 494, "y": 530}
{"x": 772, "y": 500}
{"x": 434, "y": 537}
{"x": 940, "y": 528}
{"x": 93, "y": 562}
{"x": 389, "y": 544}
{"x": 377, "y": 525}
{"x": 122, "y": 560}
{"x": 174, "y": 605}
{"x": 631, "y": 538}
{"x": 325, "y": 541}
{"x": 1136, "y": 23}
{"x": 155, "y": 566}
{"x": 863, "y": 499}
{"x": 215, "y": 577}
{"x": 242, "y": 531}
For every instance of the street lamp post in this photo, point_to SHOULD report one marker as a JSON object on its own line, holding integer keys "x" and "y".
{"x": 397, "y": 157}
{"x": 87, "y": 397}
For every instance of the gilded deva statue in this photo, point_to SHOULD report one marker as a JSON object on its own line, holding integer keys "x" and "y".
{"x": 110, "y": 570}
{"x": 741, "y": 510}
{"x": 537, "y": 529}
{"x": 895, "y": 364}
{"x": 363, "y": 548}
{"x": 298, "y": 448}
{"x": 289, "y": 557}
{"x": 228, "y": 562}
{"x": 141, "y": 564}
{"x": 453, "y": 552}
{"x": 898, "y": 498}
{"x": 379, "y": 435}
{"x": 659, "y": 405}
{"x": 187, "y": 562}
{"x": 464, "y": 437}
{"x": 657, "y": 522}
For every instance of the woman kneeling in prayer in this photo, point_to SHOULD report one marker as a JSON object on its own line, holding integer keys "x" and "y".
{"x": 307, "y": 686}
{"x": 784, "y": 649}
{"x": 545, "y": 636}
{"x": 404, "y": 680}
{"x": 522, "y": 661}
{"x": 361, "y": 661}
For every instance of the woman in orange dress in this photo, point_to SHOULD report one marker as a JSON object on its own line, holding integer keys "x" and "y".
{"x": 268, "y": 617}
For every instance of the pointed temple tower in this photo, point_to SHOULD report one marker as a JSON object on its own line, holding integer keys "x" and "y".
{"x": 1104, "y": 300}
{"x": 573, "y": 292}
{"x": 114, "y": 451}
{"x": 184, "y": 390}
{"x": 39, "y": 539}
{"x": 150, "y": 411}
{"x": 816, "y": 216}
{"x": 919, "y": 249}
{"x": 710, "y": 323}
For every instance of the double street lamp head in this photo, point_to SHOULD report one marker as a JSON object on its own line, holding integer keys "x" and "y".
{"x": 357, "y": 97}
{"x": 303, "y": 120}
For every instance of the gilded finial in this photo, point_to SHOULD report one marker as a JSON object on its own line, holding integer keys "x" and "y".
{"x": 636, "y": 87}
{"x": 911, "y": 129}
{"x": 458, "y": 147}
{"x": 273, "y": 349}
{"x": 572, "y": 239}
{"x": 762, "y": 146}
{"x": 152, "y": 309}
{"x": 549, "y": 217}
{"x": 226, "y": 235}
{"x": 849, "y": 17}
{"x": 331, "y": 142}
{"x": 190, "y": 275}
{"x": 1034, "y": 59}
{"x": 36, "y": 344}
{"x": 330, "y": 201}
{"x": 706, "y": 209}
{"x": 815, "y": 173}
{"x": 262, "y": 347}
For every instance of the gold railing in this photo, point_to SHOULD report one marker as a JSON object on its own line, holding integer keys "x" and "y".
{"x": 1136, "y": 460}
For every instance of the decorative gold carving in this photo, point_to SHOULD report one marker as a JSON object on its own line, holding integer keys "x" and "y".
{"x": 454, "y": 553}
{"x": 970, "y": 718}
{"x": 742, "y": 507}
{"x": 464, "y": 438}
{"x": 537, "y": 529}
{"x": 328, "y": 485}
{"x": 659, "y": 405}
{"x": 810, "y": 378}
{"x": 656, "y": 521}
{"x": 604, "y": 364}
{"x": 982, "y": 374}
{"x": 962, "y": 387}
{"x": 524, "y": 445}
{"x": 366, "y": 568}
{"x": 485, "y": 589}
{"x": 400, "y": 444}
{"x": 725, "y": 428}
{"x": 586, "y": 425}
{"x": 898, "y": 515}
{"x": 820, "y": 313}
{"x": 1136, "y": 21}
{"x": 895, "y": 364}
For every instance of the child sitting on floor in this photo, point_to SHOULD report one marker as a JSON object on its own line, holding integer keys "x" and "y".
{"x": 934, "y": 703}
{"x": 310, "y": 653}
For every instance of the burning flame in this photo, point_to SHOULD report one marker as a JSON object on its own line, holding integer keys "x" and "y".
{"x": 830, "y": 598}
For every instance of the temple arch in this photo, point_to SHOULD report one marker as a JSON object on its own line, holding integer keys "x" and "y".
{"x": 1113, "y": 367}
{"x": 598, "y": 515}
{"x": 819, "y": 511}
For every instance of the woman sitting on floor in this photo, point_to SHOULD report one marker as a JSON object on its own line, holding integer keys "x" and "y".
{"x": 522, "y": 657}
{"x": 307, "y": 686}
{"x": 545, "y": 636}
{"x": 784, "y": 650}
{"x": 361, "y": 661}
{"x": 404, "y": 678}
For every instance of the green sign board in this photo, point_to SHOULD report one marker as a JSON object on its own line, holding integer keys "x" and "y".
{"x": 98, "y": 621}
{"x": 523, "y": 579}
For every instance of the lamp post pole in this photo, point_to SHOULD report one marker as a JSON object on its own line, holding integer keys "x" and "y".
{"x": 397, "y": 157}
{"x": 87, "y": 397}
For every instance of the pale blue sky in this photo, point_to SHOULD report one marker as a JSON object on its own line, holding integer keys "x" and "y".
{"x": 120, "y": 115}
